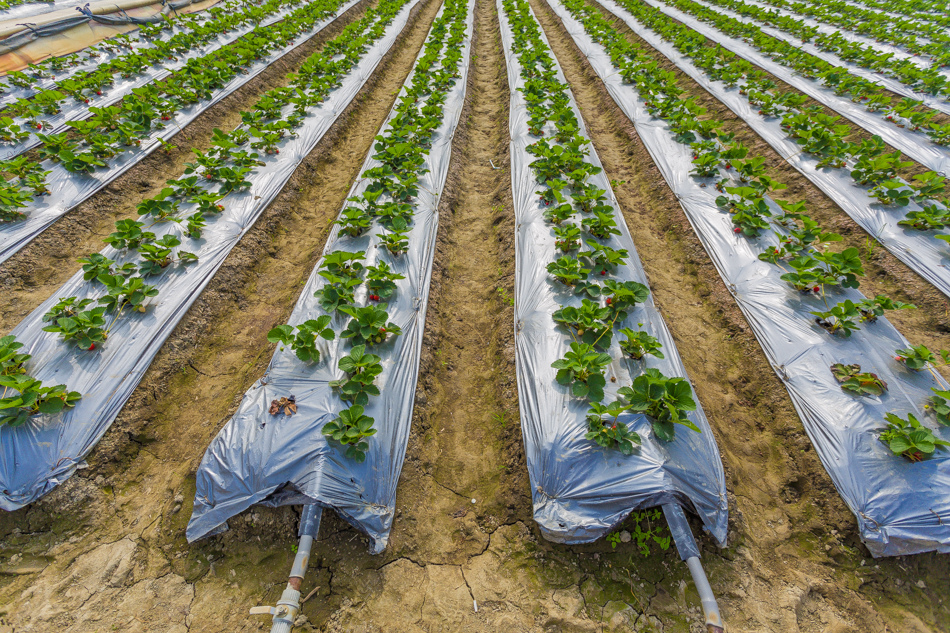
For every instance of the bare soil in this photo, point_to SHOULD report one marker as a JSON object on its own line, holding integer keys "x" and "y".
{"x": 106, "y": 550}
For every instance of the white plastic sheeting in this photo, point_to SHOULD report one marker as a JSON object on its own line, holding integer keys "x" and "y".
{"x": 37, "y": 8}
{"x": 920, "y": 250}
{"x": 277, "y": 460}
{"x": 579, "y": 489}
{"x": 916, "y": 145}
{"x": 901, "y": 507}
{"x": 42, "y": 453}
{"x": 70, "y": 189}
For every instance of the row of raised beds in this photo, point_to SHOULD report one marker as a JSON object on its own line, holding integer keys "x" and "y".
{"x": 97, "y": 73}
{"x": 919, "y": 37}
{"x": 901, "y": 73}
{"x": 913, "y": 116}
{"x": 331, "y": 415}
{"x": 100, "y": 331}
{"x": 72, "y": 166}
{"x": 861, "y": 177}
{"x": 608, "y": 416}
{"x": 871, "y": 402}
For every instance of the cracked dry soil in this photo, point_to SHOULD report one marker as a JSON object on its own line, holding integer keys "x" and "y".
{"x": 106, "y": 551}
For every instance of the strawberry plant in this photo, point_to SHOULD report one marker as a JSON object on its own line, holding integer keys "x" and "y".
{"x": 361, "y": 370}
{"x": 369, "y": 325}
{"x": 590, "y": 322}
{"x": 11, "y": 360}
{"x": 917, "y": 357}
{"x": 72, "y": 323}
{"x": 124, "y": 293}
{"x": 558, "y": 214}
{"x": 666, "y": 401}
{"x": 604, "y": 427}
{"x": 12, "y": 199}
{"x": 304, "y": 341}
{"x": 25, "y": 396}
{"x": 381, "y": 281}
{"x": 909, "y": 438}
{"x": 840, "y": 319}
{"x": 639, "y": 343}
{"x": 129, "y": 234}
{"x": 582, "y": 368}
{"x": 871, "y": 309}
{"x": 395, "y": 242}
{"x": 928, "y": 218}
{"x": 600, "y": 224}
{"x": 350, "y": 429}
{"x": 603, "y": 258}
{"x": 568, "y": 270}
{"x": 855, "y": 381}
{"x": 353, "y": 221}
{"x": 621, "y": 296}
{"x": 159, "y": 254}
{"x": 568, "y": 237}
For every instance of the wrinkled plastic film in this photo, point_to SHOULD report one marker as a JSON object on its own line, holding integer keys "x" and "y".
{"x": 42, "y": 453}
{"x": 37, "y": 8}
{"x": 920, "y": 250}
{"x": 916, "y": 145}
{"x": 580, "y": 490}
{"x": 70, "y": 189}
{"x": 76, "y": 111}
{"x": 277, "y": 460}
{"x": 901, "y": 507}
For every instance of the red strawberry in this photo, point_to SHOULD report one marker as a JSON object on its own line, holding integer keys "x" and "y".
{"x": 603, "y": 272}
{"x": 817, "y": 288}
{"x": 609, "y": 300}
{"x": 92, "y": 347}
{"x": 98, "y": 93}
{"x": 899, "y": 359}
{"x": 737, "y": 230}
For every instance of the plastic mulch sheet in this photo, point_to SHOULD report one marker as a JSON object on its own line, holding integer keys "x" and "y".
{"x": 581, "y": 491}
{"x": 901, "y": 507}
{"x": 259, "y": 458}
{"x": 70, "y": 189}
{"x": 920, "y": 250}
{"x": 916, "y": 145}
{"x": 42, "y": 453}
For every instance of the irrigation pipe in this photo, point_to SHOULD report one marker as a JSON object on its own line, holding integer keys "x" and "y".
{"x": 689, "y": 551}
{"x": 287, "y": 608}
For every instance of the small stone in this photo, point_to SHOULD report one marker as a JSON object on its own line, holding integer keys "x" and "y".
{"x": 473, "y": 501}
{"x": 179, "y": 499}
{"x": 625, "y": 537}
{"x": 301, "y": 620}
{"x": 921, "y": 584}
